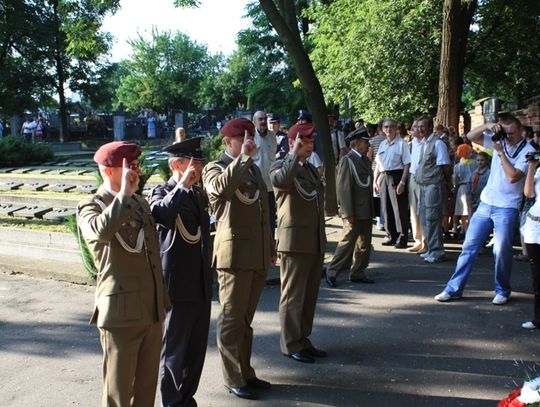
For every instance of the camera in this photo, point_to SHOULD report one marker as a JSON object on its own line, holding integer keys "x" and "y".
{"x": 499, "y": 136}
{"x": 533, "y": 156}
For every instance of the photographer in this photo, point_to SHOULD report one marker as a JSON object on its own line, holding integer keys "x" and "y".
{"x": 499, "y": 207}
{"x": 531, "y": 233}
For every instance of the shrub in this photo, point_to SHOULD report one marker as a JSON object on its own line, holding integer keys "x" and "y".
{"x": 14, "y": 151}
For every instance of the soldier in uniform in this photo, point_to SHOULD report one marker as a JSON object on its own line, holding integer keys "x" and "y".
{"x": 243, "y": 251}
{"x": 354, "y": 190}
{"x": 301, "y": 242}
{"x": 131, "y": 299}
{"x": 180, "y": 208}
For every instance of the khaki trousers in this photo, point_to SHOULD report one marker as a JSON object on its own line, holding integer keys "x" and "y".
{"x": 414, "y": 200}
{"x": 355, "y": 245}
{"x": 300, "y": 281}
{"x": 239, "y": 293}
{"x": 130, "y": 365}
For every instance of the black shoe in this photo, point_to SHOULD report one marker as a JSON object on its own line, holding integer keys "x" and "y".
{"x": 242, "y": 392}
{"x": 364, "y": 280}
{"x": 302, "y": 356}
{"x": 257, "y": 383}
{"x": 401, "y": 243}
{"x": 388, "y": 242}
{"x": 331, "y": 281}
{"x": 315, "y": 352}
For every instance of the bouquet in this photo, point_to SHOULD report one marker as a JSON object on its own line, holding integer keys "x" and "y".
{"x": 526, "y": 396}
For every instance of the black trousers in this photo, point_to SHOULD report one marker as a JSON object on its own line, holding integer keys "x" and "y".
{"x": 393, "y": 204}
{"x": 185, "y": 338}
{"x": 533, "y": 250}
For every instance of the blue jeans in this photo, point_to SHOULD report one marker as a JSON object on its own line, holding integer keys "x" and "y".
{"x": 483, "y": 220}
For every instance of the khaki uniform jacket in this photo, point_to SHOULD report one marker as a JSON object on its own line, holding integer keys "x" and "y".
{"x": 239, "y": 201}
{"x": 130, "y": 289}
{"x": 299, "y": 194}
{"x": 355, "y": 187}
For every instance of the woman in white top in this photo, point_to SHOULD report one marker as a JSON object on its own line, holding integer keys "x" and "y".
{"x": 531, "y": 235}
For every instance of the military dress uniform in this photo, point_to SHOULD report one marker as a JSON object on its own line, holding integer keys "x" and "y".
{"x": 355, "y": 197}
{"x": 183, "y": 226}
{"x": 242, "y": 253}
{"x": 130, "y": 298}
{"x": 301, "y": 242}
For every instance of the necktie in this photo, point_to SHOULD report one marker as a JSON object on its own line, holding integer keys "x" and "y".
{"x": 476, "y": 178}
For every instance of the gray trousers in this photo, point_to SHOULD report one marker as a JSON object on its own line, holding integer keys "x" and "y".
{"x": 430, "y": 211}
{"x": 355, "y": 247}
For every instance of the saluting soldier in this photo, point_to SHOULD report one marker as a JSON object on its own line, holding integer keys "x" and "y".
{"x": 354, "y": 190}
{"x": 131, "y": 298}
{"x": 301, "y": 242}
{"x": 243, "y": 251}
{"x": 180, "y": 208}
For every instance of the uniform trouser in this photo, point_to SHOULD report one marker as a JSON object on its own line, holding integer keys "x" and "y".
{"x": 414, "y": 199}
{"x": 430, "y": 211}
{"x": 394, "y": 207}
{"x": 533, "y": 250}
{"x": 130, "y": 365}
{"x": 185, "y": 339}
{"x": 355, "y": 244}
{"x": 239, "y": 293}
{"x": 300, "y": 280}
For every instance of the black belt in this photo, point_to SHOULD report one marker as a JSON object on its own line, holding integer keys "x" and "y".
{"x": 532, "y": 217}
{"x": 393, "y": 171}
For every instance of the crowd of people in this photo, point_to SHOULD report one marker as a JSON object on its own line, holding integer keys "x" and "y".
{"x": 266, "y": 193}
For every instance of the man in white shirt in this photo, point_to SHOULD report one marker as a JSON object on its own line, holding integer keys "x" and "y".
{"x": 498, "y": 208}
{"x": 414, "y": 191}
{"x": 265, "y": 155}
{"x": 338, "y": 138}
{"x": 391, "y": 173}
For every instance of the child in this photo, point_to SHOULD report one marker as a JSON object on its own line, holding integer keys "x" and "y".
{"x": 462, "y": 177}
{"x": 479, "y": 178}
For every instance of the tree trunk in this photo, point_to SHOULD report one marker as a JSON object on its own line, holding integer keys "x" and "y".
{"x": 60, "y": 74}
{"x": 285, "y": 22}
{"x": 457, "y": 18}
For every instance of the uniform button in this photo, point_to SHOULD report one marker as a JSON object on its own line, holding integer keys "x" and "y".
{"x": 150, "y": 252}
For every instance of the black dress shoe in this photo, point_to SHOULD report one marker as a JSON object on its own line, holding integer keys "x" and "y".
{"x": 315, "y": 352}
{"x": 401, "y": 243}
{"x": 388, "y": 242}
{"x": 242, "y": 392}
{"x": 302, "y": 356}
{"x": 331, "y": 281}
{"x": 257, "y": 383}
{"x": 364, "y": 280}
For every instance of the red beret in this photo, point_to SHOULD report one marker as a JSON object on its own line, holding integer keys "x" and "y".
{"x": 237, "y": 127}
{"x": 112, "y": 154}
{"x": 305, "y": 130}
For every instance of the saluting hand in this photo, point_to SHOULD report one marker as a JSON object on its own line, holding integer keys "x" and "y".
{"x": 248, "y": 147}
{"x": 130, "y": 179}
{"x": 189, "y": 177}
{"x": 297, "y": 146}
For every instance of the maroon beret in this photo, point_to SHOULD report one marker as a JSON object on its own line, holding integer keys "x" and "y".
{"x": 113, "y": 154}
{"x": 305, "y": 130}
{"x": 237, "y": 127}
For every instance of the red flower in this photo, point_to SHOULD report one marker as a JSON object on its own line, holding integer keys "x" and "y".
{"x": 511, "y": 400}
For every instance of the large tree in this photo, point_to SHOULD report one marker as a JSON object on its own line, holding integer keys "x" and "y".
{"x": 457, "y": 18}
{"x": 165, "y": 73}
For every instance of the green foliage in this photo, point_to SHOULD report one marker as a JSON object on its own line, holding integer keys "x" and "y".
{"x": 213, "y": 147}
{"x": 86, "y": 256}
{"x": 504, "y": 50}
{"x": 14, "y": 151}
{"x": 382, "y": 55}
{"x": 165, "y": 72}
{"x": 147, "y": 170}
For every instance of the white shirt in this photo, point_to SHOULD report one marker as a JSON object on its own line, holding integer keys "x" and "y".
{"x": 265, "y": 154}
{"x": 499, "y": 191}
{"x": 441, "y": 150}
{"x": 340, "y": 142}
{"x": 394, "y": 155}
{"x": 415, "y": 155}
{"x": 531, "y": 228}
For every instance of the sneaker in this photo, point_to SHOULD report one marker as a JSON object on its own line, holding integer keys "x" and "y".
{"x": 500, "y": 299}
{"x": 432, "y": 259}
{"x": 444, "y": 297}
{"x": 424, "y": 255}
{"x": 529, "y": 325}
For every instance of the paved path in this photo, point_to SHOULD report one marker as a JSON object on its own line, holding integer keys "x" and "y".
{"x": 389, "y": 343}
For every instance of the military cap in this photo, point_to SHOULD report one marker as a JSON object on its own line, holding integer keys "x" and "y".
{"x": 304, "y": 115}
{"x": 305, "y": 130}
{"x": 190, "y": 147}
{"x": 361, "y": 134}
{"x": 272, "y": 118}
{"x": 112, "y": 154}
{"x": 237, "y": 127}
